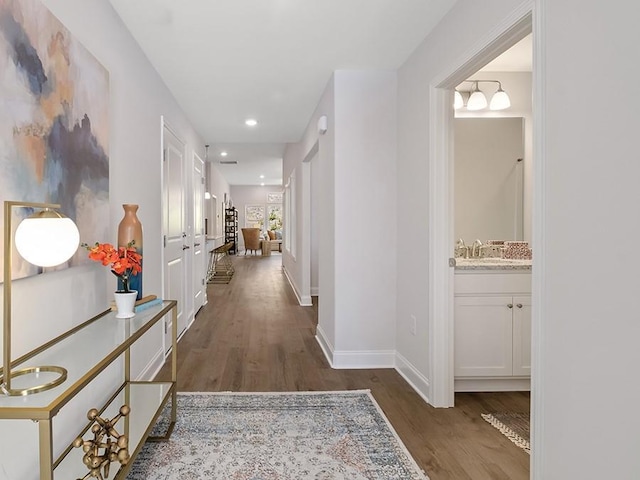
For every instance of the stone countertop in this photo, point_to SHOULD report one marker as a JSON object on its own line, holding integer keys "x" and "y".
{"x": 491, "y": 264}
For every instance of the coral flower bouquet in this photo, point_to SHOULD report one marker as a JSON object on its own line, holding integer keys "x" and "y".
{"x": 124, "y": 262}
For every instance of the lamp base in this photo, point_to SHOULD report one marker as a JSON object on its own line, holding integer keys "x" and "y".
{"x": 62, "y": 376}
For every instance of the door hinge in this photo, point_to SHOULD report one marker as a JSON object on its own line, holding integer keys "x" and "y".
{"x": 166, "y": 325}
{"x": 164, "y": 241}
{"x": 203, "y": 281}
{"x": 202, "y": 180}
{"x": 164, "y": 155}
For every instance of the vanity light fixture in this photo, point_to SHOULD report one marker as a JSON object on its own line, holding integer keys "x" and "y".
{"x": 477, "y": 100}
{"x": 47, "y": 238}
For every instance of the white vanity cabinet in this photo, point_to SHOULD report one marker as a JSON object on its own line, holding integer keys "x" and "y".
{"x": 492, "y": 330}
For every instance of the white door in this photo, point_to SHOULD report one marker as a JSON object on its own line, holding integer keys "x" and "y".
{"x": 174, "y": 227}
{"x": 483, "y": 333}
{"x": 199, "y": 239}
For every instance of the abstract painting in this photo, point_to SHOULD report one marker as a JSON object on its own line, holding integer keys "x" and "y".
{"x": 54, "y": 123}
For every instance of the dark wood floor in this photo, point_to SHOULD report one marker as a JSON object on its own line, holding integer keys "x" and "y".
{"x": 253, "y": 336}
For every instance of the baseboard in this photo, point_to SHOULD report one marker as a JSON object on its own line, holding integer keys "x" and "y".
{"x": 492, "y": 384}
{"x": 325, "y": 345}
{"x": 410, "y": 373}
{"x": 357, "y": 359}
{"x": 153, "y": 367}
{"x": 303, "y": 301}
{"x": 345, "y": 359}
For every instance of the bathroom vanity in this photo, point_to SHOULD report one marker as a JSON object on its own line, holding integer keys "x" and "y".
{"x": 492, "y": 328}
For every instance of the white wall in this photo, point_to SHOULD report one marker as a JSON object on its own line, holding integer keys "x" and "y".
{"x": 138, "y": 98}
{"x": 588, "y": 356}
{"x": 218, "y": 187}
{"x": 297, "y": 270}
{"x": 365, "y": 193}
{"x": 355, "y": 163}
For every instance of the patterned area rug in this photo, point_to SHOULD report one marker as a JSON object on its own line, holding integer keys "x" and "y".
{"x": 277, "y": 436}
{"x": 514, "y": 426}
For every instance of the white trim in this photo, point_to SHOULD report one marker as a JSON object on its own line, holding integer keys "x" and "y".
{"x": 325, "y": 345}
{"x": 440, "y": 248}
{"x": 492, "y": 384}
{"x": 539, "y": 241}
{"x": 345, "y": 359}
{"x": 509, "y": 31}
{"x": 304, "y": 301}
{"x": 412, "y": 375}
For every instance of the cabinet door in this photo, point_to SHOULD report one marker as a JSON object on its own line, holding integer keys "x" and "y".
{"x": 522, "y": 335}
{"x": 483, "y": 336}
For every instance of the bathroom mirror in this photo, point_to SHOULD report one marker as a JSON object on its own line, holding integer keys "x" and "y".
{"x": 488, "y": 179}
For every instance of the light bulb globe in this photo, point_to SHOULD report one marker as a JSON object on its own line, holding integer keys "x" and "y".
{"x": 477, "y": 101}
{"x": 500, "y": 100}
{"x": 458, "y": 101}
{"x": 47, "y": 239}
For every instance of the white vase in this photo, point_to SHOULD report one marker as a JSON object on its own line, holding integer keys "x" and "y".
{"x": 125, "y": 303}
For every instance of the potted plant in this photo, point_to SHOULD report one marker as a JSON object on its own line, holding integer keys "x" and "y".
{"x": 124, "y": 263}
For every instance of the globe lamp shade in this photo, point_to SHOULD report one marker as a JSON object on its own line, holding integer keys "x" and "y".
{"x": 47, "y": 238}
{"x": 458, "y": 101}
{"x": 477, "y": 101}
{"x": 500, "y": 100}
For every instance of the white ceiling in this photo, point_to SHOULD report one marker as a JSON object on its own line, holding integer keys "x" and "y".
{"x": 225, "y": 61}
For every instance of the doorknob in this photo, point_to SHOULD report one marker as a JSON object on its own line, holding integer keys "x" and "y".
{"x": 185, "y": 247}
{"x": 510, "y": 305}
{"x": 519, "y": 305}
{"x": 196, "y": 244}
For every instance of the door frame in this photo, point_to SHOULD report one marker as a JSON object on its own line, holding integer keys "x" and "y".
{"x": 441, "y": 236}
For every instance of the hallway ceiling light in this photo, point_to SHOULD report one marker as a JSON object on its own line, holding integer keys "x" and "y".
{"x": 261, "y": 176}
{"x": 251, "y": 122}
{"x": 223, "y": 154}
{"x": 477, "y": 100}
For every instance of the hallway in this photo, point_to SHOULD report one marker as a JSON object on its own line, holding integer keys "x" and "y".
{"x": 253, "y": 336}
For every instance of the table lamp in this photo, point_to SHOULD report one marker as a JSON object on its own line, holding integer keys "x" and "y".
{"x": 46, "y": 239}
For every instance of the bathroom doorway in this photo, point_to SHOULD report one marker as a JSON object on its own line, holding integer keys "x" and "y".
{"x": 441, "y": 213}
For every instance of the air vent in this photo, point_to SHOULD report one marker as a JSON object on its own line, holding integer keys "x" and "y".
{"x": 228, "y": 162}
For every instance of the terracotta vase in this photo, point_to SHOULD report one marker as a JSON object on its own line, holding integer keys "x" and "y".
{"x": 130, "y": 229}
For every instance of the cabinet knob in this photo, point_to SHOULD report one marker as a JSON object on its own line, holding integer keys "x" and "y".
{"x": 519, "y": 305}
{"x": 509, "y": 305}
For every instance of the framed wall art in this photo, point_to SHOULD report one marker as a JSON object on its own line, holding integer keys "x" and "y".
{"x": 54, "y": 123}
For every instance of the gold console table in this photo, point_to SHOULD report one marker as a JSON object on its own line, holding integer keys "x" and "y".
{"x": 87, "y": 351}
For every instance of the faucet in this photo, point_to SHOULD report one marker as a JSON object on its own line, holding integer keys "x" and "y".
{"x": 461, "y": 249}
{"x": 475, "y": 249}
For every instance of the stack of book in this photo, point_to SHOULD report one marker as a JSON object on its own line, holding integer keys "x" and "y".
{"x": 142, "y": 304}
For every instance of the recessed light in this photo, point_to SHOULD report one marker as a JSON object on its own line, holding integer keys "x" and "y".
{"x": 223, "y": 154}
{"x": 261, "y": 176}
{"x": 251, "y": 122}
{"x": 262, "y": 184}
